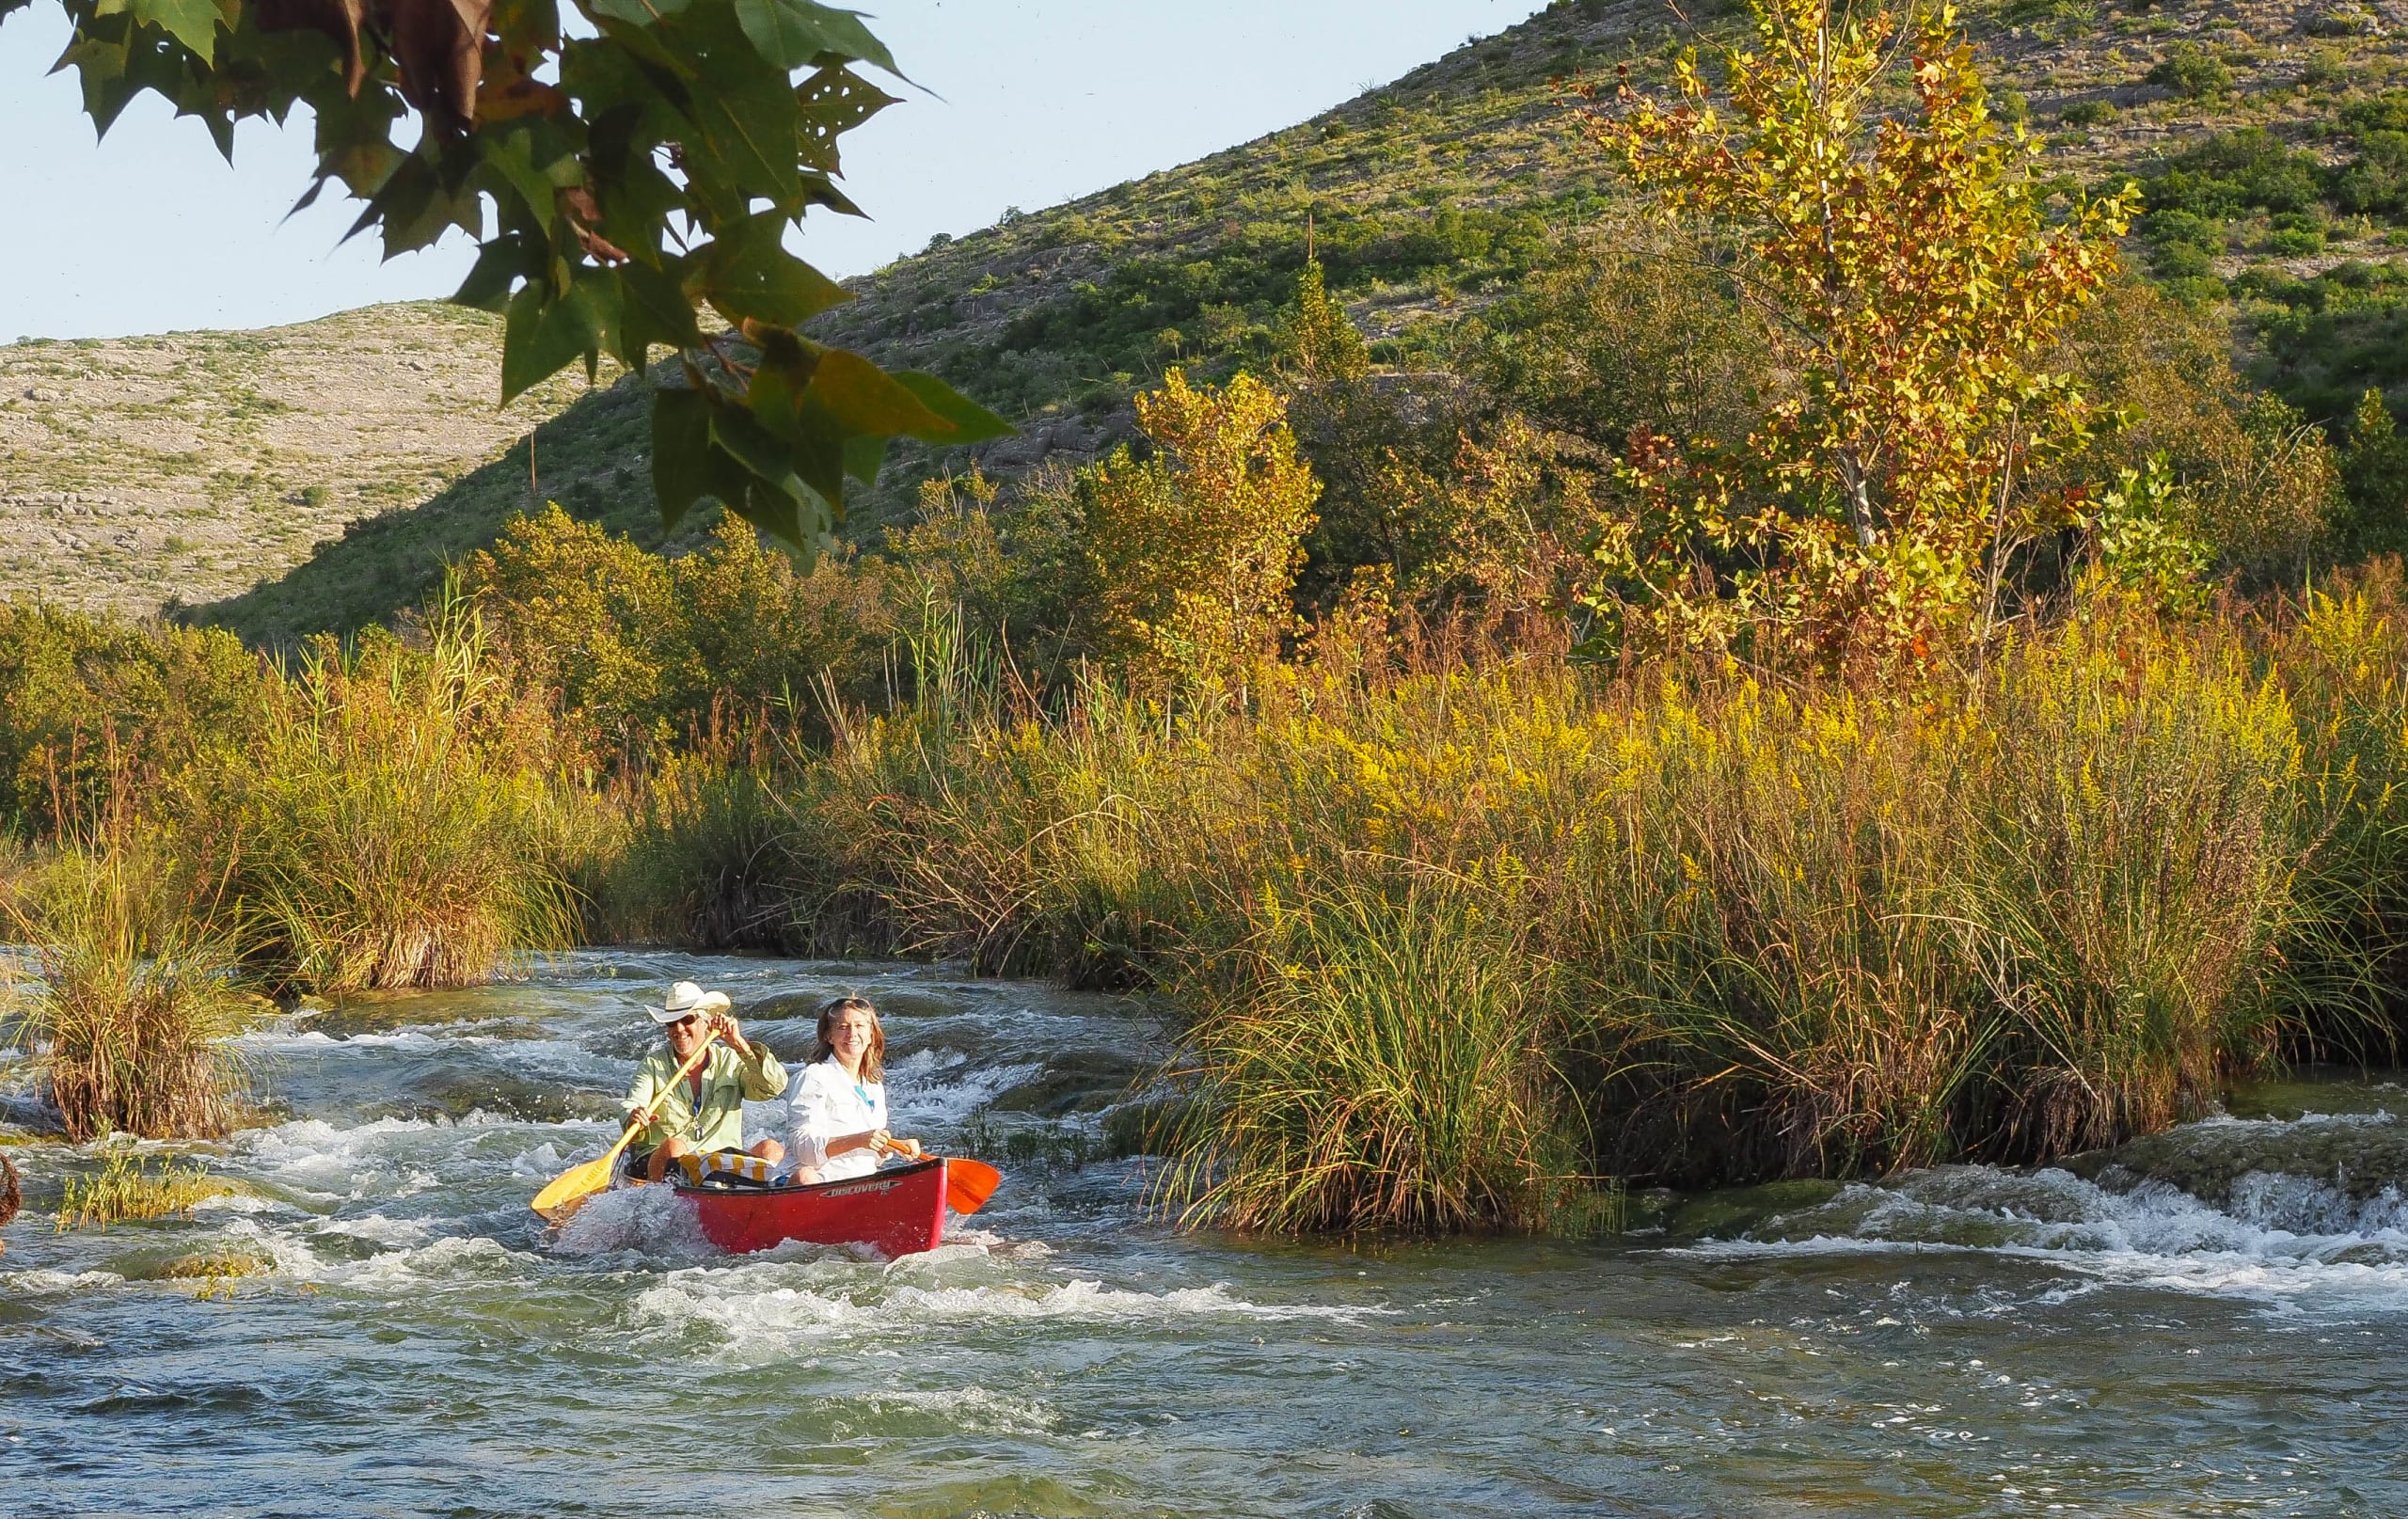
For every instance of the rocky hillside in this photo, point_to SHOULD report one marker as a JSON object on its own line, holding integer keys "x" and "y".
{"x": 2258, "y": 125}
{"x": 188, "y": 468}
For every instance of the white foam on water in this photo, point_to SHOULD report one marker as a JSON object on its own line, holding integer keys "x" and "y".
{"x": 53, "y": 1283}
{"x": 243, "y": 1203}
{"x": 375, "y": 1228}
{"x": 944, "y": 1087}
{"x": 757, "y": 1319}
{"x": 448, "y": 1264}
{"x": 2287, "y": 1241}
{"x": 644, "y": 1221}
{"x": 970, "y": 1408}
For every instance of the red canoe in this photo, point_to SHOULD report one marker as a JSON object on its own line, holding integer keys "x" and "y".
{"x": 895, "y": 1211}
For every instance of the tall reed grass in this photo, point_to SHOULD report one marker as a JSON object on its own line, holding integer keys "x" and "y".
{"x": 1373, "y": 1061}
{"x": 134, "y": 998}
{"x": 1673, "y": 926}
{"x": 396, "y": 823}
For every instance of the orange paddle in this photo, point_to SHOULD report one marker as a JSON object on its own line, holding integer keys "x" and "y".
{"x": 968, "y": 1184}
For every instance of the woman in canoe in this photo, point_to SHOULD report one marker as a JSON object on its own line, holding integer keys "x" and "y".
{"x": 701, "y": 1117}
{"x": 837, "y": 1119}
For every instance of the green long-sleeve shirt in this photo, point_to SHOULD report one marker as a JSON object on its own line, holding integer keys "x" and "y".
{"x": 728, "y": 1080}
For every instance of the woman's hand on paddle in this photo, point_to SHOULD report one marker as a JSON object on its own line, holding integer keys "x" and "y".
{"x": 908, "y": 1149}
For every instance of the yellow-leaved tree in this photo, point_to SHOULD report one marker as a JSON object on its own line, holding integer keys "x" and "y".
{"x": 1195, "y": 547}
{"x": 1912, "y": 277}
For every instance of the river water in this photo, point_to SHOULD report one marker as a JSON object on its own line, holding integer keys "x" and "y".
{"x": 1958, "y": 1343}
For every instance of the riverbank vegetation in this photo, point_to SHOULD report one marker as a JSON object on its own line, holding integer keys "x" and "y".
{"x": 1753, "y": 712}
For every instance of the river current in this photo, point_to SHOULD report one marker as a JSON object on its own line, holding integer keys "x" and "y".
{"x": 1964, "y": 1341}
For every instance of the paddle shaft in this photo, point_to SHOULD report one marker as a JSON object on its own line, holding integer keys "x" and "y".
{"x": 651, "y": 1108}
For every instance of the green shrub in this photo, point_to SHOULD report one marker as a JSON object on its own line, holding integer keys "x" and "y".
{"x": 1378, "y": 1061}
{"x": 92, "y": 705}
{"x": 2192, "y": 73}
{"x": 648, "y": 651}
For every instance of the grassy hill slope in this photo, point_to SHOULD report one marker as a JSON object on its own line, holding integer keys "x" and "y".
{"x": 1429, "y": 198}
{"x": 142, "y": 470}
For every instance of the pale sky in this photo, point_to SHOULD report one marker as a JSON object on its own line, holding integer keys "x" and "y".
{"x": 1035, "y": 102}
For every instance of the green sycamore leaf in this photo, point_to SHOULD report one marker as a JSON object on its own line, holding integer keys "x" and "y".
{"x": 597, "y": 290}
{"x": 637, "y": 13}
{"x": 500, "y": 264}
{"x": 819, "y": 454}
{"x": 780, "y": 379}
{"x": 654, "y": 307}
{"x": 818, "y": 190}
{"x": 768, "y": 456}
{"x": 864, "y": 456}
{"x": 970, "y": 421}
{"x": 853, "y": 40}
{"x": 748, "y": 272}
{"x": 776, "y": 501}
{"x": 355, "y": 134}
{"x": 543, "y": 332}
{"x": 532, "y": 157}
{"x": 193, "y": 23}
{"x": 789, "y": 33}
{"x": 687, "y": 466}
{"x": 636, "y": 198}
{"x": 747, "y": 116}
{"x": 863, "y": 398}
{"x": 834, "y": 100}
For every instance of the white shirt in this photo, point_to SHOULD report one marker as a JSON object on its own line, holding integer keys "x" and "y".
{"x": 828, "y": 1105}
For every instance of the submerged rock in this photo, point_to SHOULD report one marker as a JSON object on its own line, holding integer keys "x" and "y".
{"x": 2362, "y": 1156}
{"x": 1087, "y": 1082}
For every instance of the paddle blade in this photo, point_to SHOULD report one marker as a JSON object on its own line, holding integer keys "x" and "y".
{"x": 569, "y": 1191}
{"x": 968, "y": 1184}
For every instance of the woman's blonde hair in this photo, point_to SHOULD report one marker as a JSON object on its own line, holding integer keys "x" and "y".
{"x": 874, "y": 1058}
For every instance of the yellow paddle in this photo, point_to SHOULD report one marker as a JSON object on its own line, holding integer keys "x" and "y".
{"x": 569, "y": 1190}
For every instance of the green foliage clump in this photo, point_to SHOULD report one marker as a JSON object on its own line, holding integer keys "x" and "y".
{"x": 648, "y": 650}
{"x": 1196, "y": 547}
{"x": 2255, "y": 482}
{"x": 2374, "y": 477}
{"x": 2325, "y": 340}
{"x": 89, "y": 701}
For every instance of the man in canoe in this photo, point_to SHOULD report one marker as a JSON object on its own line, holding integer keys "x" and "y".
{"x": 700, "y": 1124}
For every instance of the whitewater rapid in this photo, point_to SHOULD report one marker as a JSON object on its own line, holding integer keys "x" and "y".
{"x": 2206, "y": 1324}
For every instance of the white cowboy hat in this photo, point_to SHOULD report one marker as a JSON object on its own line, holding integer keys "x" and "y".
{"x": 686, "y": 997}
